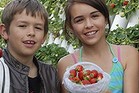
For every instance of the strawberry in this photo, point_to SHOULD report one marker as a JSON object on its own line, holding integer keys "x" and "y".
{"x": 125, "y": 3}
{"x": 94, "y": 73}
{"x": 1, "y": 53}
{"x": 93, "y": 80}
{"x": 75, "y": 79}
{"x": 80, "y": 75}
{"x": 85, "y": 82}
{"x": 112, "y": 5}
{"x": 87, "y": 72}
{"x": 73, "y": 73}
{"x": 79, "y": 68}
{"x": 87, "y": 77}
{"x": 100, "y": 76}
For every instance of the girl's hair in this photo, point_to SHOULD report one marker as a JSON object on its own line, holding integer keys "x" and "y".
{"x": 97, "y": 4}
{"x": 32, "y": 7}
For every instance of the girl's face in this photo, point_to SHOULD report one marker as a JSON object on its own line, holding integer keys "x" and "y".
{"x": 88, "y": 24}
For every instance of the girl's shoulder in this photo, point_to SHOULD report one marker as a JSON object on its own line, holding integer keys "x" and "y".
{"x": 128, "y": 53}
{"x": 127, "y": 49}
{"x": 68, "y": 59}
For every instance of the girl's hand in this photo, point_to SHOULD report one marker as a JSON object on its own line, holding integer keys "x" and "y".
{"x": 108, "y": 91}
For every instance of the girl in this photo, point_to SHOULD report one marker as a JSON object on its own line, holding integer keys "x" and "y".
{"x": 87, "y": 20}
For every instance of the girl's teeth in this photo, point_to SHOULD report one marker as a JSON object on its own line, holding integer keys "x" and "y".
{"x": 90, "y": 33}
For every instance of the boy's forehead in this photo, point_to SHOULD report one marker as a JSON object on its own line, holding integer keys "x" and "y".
{"x": 29, "y": 13}
{"x": 27, "y": 16}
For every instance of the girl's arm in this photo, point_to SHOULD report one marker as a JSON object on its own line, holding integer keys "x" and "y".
{"x": 130, "y": 56}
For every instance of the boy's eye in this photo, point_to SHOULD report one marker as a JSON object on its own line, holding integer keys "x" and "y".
{"x": 22, "y": 26}
{"x": 39, "y": 28}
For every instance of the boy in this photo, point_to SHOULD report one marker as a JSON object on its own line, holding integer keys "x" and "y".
{"x": 24, "y": 28}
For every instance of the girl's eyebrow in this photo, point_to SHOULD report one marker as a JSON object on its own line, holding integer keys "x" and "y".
{"x": 94, "y": 12}
{"x": 77, "y": 17}
{"x": 90, "y": 13}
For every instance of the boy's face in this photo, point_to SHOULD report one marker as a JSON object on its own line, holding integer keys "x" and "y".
{"x": 26, "y": 34}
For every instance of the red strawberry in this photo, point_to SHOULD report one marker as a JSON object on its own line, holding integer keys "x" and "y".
{"x": 100, "y": 76}
{"x": 73, "y": 73}
{"x": 75, "y": 79}
{"x": 80, "y": 75}
{"x": 93, "y": 80}
{"x": 79, "y": 68}
{"x": 94, "y": 73}
{"x": 112, "y": 5}
{"x": 85, "y": 82}
{"x": 125, "y": 2}
{"x": 87, "y": 77}
{"x": 87, "y": 72}
{"x": 1, "y": 53}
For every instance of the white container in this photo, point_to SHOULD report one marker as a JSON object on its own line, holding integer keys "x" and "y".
{"x": 99, "y": 87}
{"x": 50, "y": 39}
{"x": 120, "y": 21}
{"x": 134, "y": 19}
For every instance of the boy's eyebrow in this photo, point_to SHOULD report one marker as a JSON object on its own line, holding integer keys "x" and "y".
{"x": 21, "y": 21}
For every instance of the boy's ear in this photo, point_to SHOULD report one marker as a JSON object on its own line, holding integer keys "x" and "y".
{"x": 3, "y": 32}
{"x": 44, "y": 38}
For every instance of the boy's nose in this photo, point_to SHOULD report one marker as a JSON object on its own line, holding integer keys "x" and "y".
{"x": 31, "y": 32}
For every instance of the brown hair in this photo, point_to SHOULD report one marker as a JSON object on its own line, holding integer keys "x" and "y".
{"x": 98, "y": 4}
{"x": 17, "y": 6}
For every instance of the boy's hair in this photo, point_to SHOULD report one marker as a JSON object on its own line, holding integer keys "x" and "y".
{"x": 32, "y": 7}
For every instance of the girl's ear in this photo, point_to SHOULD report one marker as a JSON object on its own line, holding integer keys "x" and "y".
{"x": 106, "y": 21}
{"x": 71, "y": 29}
{"x": 3, "y": 32}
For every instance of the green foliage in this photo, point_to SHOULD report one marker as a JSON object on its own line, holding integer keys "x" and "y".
{"x": 56, "y": 15}
{"x": 2, "y": 4}
{"x": 2, "y": 42}
{"x": 123, "y": 7}
{"x": 128, "y": 36}
{"x": 51, "y": 53}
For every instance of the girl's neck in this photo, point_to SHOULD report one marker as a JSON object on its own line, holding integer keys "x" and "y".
{"x": 96, "y": 49}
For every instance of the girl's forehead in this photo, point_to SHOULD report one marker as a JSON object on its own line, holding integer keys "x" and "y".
{"x": 80, "y": 8}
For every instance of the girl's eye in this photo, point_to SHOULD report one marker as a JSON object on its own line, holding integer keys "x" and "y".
{"x": 79, "y": 20}
{"x": 95, "y": 16}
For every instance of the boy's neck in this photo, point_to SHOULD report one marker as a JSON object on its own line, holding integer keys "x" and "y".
{"x": 32, "y": 71}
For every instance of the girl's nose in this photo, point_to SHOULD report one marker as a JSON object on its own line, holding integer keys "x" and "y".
{"x": 89, "y": 24}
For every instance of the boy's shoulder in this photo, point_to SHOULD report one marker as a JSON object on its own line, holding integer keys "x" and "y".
{"x": 46, "y": 66}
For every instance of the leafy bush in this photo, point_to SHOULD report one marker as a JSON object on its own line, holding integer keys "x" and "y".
{"x": 51, "y": 53}
{"x": 122, "y": 7}
{"x": 128, "y": 36}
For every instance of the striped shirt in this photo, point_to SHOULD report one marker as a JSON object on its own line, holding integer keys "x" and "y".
{"x": 117, "y": 72}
